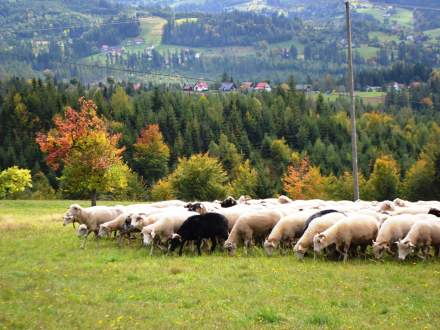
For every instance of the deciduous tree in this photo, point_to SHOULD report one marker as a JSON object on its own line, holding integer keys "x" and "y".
{"x": 151, "y": 154}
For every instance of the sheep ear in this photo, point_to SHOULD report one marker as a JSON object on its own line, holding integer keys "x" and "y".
{"x": 153, "y": 234}
{"x": 175, "y": 235}
{"x": 411, "y": 245}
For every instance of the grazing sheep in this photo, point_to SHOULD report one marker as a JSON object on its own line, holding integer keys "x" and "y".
{"x": 231, "y": 213}
{"x": 315, "y": 216}
{"x": 82, "y": 232}
{"x": 395, "y": 228}
{"x": 286, "y": 230}
{"x": 228, "y": 202}
{"x": 399, "y": 202}
{"x": 423, "y": 234}
{"x": 318, "y": 225}
{"x": 163, "y": 229}
{"x": 356, "y": 229}
{"x": 140, "y": 220}
{"x": 199, "y": 227}
{"x": 386, "y": 206}
{"x": 244, "y": 199}
{"x": 434, "y": 211}
{"x": 91, "y": 216}
{"x": 284, "y": 200}
{"x": 112, "y": 226}
{"x": 166, "y": 204}
{"x": 253, "y": 225}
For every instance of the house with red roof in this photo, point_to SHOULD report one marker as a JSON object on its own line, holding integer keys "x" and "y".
{"x": 263, "y": 86}
{"x": 201, "y": 86}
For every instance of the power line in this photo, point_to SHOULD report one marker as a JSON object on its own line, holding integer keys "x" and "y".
{"x": 405, "y": 6}
{"x": 75, "y": 27}
{"x": 126, "y": 70}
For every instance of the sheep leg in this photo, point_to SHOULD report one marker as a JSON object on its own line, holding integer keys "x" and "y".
{"x": 343, "y": 251}
{"x": 198, "y": 244}
{"x": 151, "y": 249}
{"x": 246, "y": 246}
{"x": 436, "y": 250}
{"x": 83, "y": 241}
{"x": 181, "y": 247}
{"x": 214, "y": 243}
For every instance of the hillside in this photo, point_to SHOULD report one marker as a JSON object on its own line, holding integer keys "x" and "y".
{"x": 285, "y": 37}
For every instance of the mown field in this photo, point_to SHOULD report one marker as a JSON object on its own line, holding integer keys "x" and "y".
{"x": 47, "y": 282}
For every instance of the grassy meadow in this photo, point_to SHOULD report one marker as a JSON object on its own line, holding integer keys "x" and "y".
{"x": 47, "y": 282}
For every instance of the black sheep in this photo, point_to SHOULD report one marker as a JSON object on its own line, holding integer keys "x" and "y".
{"x": 198, "y": 227}
{"x": 314, "y": 216}
{"x": 228, "y": 202}
{"x": 434, "y": 212}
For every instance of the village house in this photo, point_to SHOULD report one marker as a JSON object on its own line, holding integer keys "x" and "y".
{"x": 227, "y": 87}
{"x": 263, "y": 86}
{"x": 246, "y": 86}
{"x": 201, "y": 86}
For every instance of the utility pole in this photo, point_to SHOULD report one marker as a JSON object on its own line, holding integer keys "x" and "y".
{"x": 354, "y": 155}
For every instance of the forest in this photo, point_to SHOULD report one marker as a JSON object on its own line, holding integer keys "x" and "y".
{"x": 281, "y": 139}
{"x": 231, "y": 28}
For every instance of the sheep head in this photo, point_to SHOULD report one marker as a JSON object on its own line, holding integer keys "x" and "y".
{"x": 435, "y": 212}
{"x": 319, "y": 242}
{"x": 72, "y": 214}
{"x": 148, "y": 236}
{"x": 104, "y": 231}
{"x": 405, "y": 248}
{"x": 299, "y": 250}
{"x": 230, "y": 247}
{"x": 175, "y": 241}
{"x": 379, "y": 248}
{"x": 228, "y": 202}
{"x": 269, "y": 246}
{"x": 82, "y": 230}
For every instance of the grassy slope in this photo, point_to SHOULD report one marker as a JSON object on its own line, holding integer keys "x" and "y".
{"x": 47, "y": 282}
{"x": 384, "y": 37}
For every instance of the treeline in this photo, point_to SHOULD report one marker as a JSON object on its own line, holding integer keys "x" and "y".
{"x": 265, "y": 128}
{"x": 231, "y": 28}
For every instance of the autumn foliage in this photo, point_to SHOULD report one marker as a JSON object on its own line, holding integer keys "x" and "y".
{"x": 303, "y": 181}
{"x": 81, "y": 145}
{"x": 151, "y": 154}
{"x": 69, "y": 130}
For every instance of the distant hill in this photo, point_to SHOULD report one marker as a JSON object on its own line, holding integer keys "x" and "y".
{"x": 423, "y": 3}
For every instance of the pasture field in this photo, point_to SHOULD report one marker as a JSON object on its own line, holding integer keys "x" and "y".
{"x": 383, "y": 37}
{"x": 47, "y": 282}
{"x": 366, "y": 51}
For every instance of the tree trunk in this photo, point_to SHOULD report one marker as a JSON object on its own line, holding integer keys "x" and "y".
{"x": 94, "y": 194}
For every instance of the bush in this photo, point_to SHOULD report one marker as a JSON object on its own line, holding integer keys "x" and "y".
{"x": 199, "y": 177}
{"x": 14, "y": 181}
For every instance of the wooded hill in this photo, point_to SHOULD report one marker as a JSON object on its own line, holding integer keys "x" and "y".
{"x": 265, "y": 128}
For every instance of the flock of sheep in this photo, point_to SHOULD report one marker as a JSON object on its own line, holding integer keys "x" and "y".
{"x": 336, "y": 229}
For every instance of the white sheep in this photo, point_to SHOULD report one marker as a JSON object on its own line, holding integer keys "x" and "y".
{"x": 393, "y": 229}
{"x": 356, "y": 229}
{"x": 318, "y": 225}
{"x": 91, "y": 216}
{"x": 163, "y": 229}
{"x": 112, "y": 226}
{"x": 286, "y": 230}
{"x": 423, "y": 234}
{"x": 251, "y": 226}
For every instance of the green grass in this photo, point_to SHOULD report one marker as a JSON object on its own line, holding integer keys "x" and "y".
{"x": 433, "y": 35}
{"x": 186, "y": 20}
{"x": 367, "y": 52}
{"x": 383, "y": 37}
{"x": 403, "y": 17}
{"x": 47, "y": 282}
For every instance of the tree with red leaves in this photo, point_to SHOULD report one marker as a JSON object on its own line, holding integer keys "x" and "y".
{"x": 88, "y": 155}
